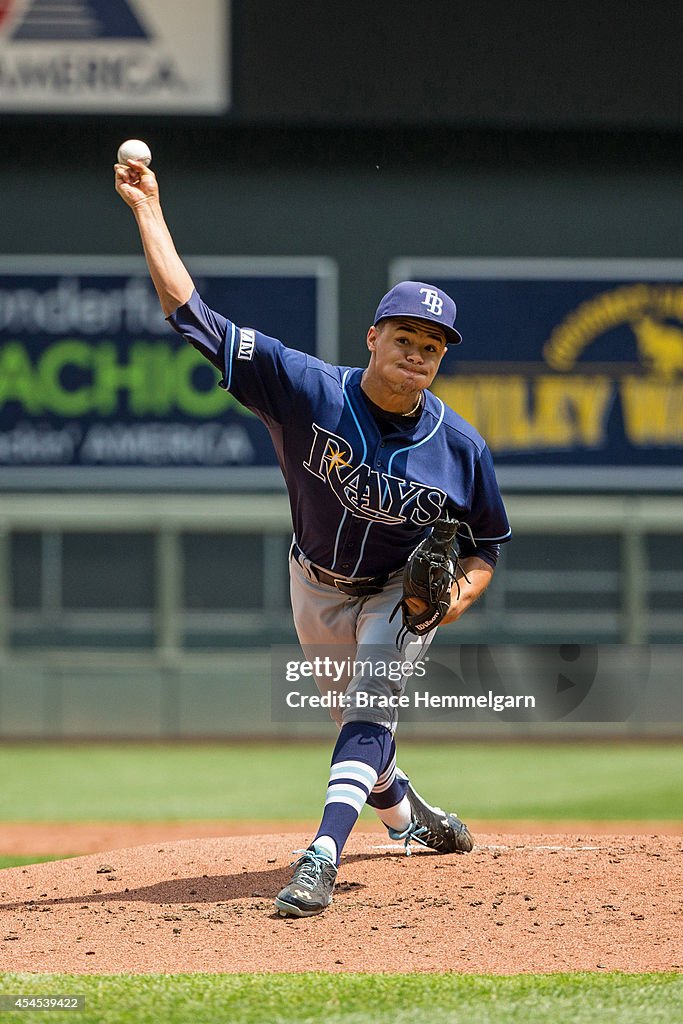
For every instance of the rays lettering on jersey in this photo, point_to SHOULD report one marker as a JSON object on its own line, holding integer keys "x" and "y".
{"x": 364, "y": 491}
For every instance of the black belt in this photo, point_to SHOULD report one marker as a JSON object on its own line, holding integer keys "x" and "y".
{"x": 360, "y": 586}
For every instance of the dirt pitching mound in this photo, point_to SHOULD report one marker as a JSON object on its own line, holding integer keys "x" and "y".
{"x": 517, "y": 903}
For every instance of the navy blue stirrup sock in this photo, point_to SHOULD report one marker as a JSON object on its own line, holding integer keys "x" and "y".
{"x": 361, "y": 752}
{"x": 390, "y": 788}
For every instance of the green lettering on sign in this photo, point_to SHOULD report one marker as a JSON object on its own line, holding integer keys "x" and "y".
{"x": 17, "y": 382}
{"x": 57, "y": 398}
{"x": 149, "y": 379}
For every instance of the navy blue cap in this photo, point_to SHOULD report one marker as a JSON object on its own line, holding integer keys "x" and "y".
{"x": 422, "y": 302}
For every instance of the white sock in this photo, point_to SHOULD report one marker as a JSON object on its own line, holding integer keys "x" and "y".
{"x": 398, "y": 817}
{"x": 327, "y": 847}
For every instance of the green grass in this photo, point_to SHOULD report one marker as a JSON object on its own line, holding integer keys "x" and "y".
{"x": 358, "y": 998}
{"x": 185, "y": 782}
{"x": 15, "y": 862}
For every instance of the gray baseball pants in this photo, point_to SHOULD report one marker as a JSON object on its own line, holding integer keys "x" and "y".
{"x": 356, "y": 629}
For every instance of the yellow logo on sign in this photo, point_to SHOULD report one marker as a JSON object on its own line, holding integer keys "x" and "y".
{"x": 568, "y": 408}
{"x": 661, "y": 346}
{"x": 644, "y": 307}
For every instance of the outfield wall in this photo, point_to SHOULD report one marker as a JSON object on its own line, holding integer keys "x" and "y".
{"x": 629, "y": 693}
{"x": 156, "y": 615}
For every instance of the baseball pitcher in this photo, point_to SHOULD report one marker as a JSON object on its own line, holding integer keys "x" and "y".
{"x": 397, "y": 522}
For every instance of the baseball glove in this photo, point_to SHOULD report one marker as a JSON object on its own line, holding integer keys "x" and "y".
{"x": 429, "y": 576}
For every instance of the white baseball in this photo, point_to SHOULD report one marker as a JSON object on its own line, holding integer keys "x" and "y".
{"x": 134, "y": 149}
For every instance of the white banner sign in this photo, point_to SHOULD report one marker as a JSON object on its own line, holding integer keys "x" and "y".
{"x": 114, "y": 56}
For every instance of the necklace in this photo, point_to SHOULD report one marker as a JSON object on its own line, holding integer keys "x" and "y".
{"x": 414, "y": 409}
{"x": 386, "y": 412}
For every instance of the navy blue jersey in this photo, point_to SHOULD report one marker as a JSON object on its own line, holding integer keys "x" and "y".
{"x": 362, "y": 496}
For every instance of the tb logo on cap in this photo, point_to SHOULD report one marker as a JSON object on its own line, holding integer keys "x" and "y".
{"x": 432, "y": 300}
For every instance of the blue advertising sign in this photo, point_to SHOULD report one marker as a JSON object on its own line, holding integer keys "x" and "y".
{"x": 571, "y": 369}
{"x": 96, "y": 388}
